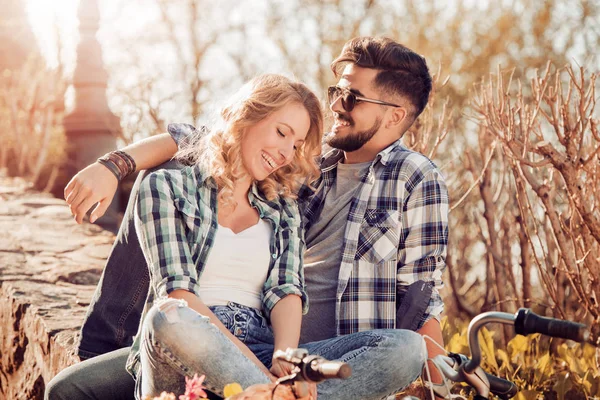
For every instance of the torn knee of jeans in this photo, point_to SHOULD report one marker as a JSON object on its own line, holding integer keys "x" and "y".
{"x": 166, "y": 303}
{"x": 170, "y": 308}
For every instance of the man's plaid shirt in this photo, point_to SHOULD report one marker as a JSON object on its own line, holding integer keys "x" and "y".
{"x": 396, "y": 234}
{"x": 176, "y": 222}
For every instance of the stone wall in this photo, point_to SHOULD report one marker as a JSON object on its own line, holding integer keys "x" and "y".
{"x": 49, "y": 267}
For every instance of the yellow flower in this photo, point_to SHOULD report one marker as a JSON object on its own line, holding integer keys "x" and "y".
{"x": 232, "y": 389}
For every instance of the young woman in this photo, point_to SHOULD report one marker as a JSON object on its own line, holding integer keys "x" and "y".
{"x": 223, "y": 242}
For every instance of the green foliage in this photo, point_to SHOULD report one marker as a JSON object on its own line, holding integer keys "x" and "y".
{"x": 542, "y": 367}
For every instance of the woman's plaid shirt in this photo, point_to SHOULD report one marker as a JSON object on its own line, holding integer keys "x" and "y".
{"x": 396, "y": 234}
{"x": 176, "y": 222}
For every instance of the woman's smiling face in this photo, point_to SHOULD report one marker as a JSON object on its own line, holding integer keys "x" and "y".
{"x": 270, "y": 144}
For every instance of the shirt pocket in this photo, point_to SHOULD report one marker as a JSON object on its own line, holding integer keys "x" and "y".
{"x": 378, "y": 236}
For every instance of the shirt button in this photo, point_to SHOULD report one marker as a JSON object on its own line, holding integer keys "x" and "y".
{"x": 274, "y": 255}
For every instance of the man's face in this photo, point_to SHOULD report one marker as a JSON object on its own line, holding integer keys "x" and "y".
{"x": 352, "y": 130}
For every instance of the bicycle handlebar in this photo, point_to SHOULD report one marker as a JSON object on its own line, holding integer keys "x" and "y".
{"x": 317, "y": 369}
{"x": 501, "y": 387}
{"x": 313, "y": 368}
{"x": 526, "y": 322}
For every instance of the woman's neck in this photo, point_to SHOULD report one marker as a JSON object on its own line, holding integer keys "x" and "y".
{"x": 240, "y": 215}
{"x": 240, "y": 190}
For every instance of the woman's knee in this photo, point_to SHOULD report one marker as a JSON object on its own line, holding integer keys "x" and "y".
{"x": 160, "y": 319}
{"x": 171, "y": 324}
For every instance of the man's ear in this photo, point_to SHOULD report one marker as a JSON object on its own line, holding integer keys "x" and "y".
{"x": 398, "y": 117}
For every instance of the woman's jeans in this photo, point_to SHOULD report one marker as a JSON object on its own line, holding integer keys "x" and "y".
{"x": 178, "y": 342}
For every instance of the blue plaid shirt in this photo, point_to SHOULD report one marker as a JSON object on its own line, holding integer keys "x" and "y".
{"x": 176, "y": 222}
{"x": 396, "y": 234}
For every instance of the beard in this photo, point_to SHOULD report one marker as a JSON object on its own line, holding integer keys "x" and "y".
{"x": 353, "y": 140}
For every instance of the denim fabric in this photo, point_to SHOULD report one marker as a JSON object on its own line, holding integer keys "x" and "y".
{"x": 382, "y": 361}
{"x": 100, "y": 378}
{"x": 113, "y": 316}
{"x": 178, "y": 342}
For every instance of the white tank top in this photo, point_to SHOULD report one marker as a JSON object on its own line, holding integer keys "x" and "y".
{"x": 237, "y": 266}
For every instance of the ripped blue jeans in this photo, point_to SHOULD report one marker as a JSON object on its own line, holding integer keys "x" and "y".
{"x": 179, "y": 342}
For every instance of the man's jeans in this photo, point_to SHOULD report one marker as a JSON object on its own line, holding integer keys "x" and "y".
{"x": 179, "y": 342}
{"x": 113, "y": 316}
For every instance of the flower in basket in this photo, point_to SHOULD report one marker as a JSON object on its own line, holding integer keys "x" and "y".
{"x": 194, "y": 389}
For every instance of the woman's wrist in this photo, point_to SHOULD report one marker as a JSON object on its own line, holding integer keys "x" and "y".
{"x": 119, "y": 163}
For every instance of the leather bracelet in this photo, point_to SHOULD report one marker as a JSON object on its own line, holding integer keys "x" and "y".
{"x": 130, "y": 161}
{"x": 119, "y": 163}
{"x": 111, "y": 167}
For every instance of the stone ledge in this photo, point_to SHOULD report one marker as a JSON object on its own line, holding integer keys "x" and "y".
{"x": 49, "y": 267}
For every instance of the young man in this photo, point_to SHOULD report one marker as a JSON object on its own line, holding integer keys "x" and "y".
{"x": 376, "y": 233}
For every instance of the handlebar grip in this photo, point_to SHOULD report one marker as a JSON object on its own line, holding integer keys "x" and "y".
{"x": 527, "y": 322}
{"x": 318, "y": 369}
{"x": 501, "y": 387}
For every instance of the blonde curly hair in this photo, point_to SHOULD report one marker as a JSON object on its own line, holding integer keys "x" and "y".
{"x": 219, "y": 151}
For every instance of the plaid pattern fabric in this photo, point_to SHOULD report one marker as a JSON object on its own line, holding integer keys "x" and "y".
{"x": 396, "y": 234}
{"x": 176, "y": 222}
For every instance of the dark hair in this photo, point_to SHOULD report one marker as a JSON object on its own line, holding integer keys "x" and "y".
{"x": 401, "y": 70}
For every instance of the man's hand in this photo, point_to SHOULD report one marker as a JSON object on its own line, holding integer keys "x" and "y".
{"x": 94, "y": 184}
{"x": 281, "y": 368}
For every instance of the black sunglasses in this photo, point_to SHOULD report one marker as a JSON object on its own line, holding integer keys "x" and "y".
{"x": 349, "y": 99}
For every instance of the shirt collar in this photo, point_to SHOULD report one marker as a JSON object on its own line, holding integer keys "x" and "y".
{"x": 203, "y": 177}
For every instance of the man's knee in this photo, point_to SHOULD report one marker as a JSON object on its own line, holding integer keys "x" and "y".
{"x": 407, "y": 354}
{"x": 61, "y": 387}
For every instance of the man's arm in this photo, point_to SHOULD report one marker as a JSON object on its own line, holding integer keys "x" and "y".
{"x": 433, "y": 329}
{"x": 422, "y": 250}
{"x": 95, "y": 184}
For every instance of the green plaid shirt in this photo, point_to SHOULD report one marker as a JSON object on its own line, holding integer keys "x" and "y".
{"x": 176, "y": 222}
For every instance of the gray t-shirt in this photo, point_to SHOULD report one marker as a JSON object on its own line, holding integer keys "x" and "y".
{"x": 323, "y": 256}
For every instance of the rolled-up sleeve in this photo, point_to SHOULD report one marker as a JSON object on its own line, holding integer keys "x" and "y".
{"x": 287, "y": 275}
{"x": 162, "y": 235}
{"x": 184, "y": 134}
{"x": 424, "y": 238}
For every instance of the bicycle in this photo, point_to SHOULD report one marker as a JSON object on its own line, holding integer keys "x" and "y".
{"x": 458, "y": 368}
{"x": 454, "y": 367}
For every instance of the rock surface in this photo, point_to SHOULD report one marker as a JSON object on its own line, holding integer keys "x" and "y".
{"x": 49, "y": 267}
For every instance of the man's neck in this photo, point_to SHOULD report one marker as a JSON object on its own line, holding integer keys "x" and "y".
{"x": 381, "y": 141}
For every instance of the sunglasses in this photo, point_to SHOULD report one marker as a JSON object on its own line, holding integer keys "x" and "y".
{"x": 349, "y": 99}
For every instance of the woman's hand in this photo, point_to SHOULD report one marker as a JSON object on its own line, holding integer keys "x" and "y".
{"x": 94, "y": 184}
{"x": 281, "y": 368}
